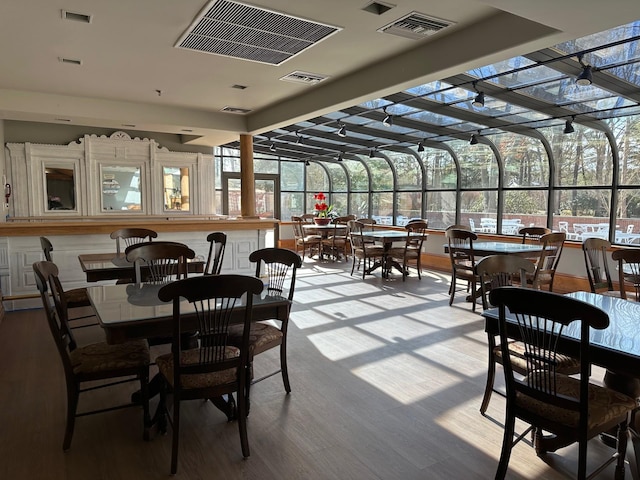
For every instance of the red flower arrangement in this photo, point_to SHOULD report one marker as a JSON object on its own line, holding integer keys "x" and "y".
{"x": 322, "y": 209}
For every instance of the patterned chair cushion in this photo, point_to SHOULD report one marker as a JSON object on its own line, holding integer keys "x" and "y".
{"x": 201, "y": 380}
{"x": 77, "y": 297}
{"x": 102, "y": 357}
{"x": 566, "y": 364}
{"x": 604, "y": 404}
{"x": 261, "y": 334}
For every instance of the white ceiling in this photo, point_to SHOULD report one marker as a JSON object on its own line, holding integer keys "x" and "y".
{"x": 128, "y": 54}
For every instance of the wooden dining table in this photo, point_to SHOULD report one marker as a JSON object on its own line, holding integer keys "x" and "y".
{"x": 616, "y": 348}
{"x": 387, "y": 238}
{"x": 114, "y": 266}
{"x": 134, "y": 311}
{"x": 484, "y": 249}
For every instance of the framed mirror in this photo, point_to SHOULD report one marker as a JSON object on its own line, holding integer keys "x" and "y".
{"x": 175, "y": 181}
{"x": 60, "y": 188}
{"x": 121, "y": 188}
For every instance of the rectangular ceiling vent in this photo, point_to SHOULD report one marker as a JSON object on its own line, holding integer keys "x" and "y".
{"x": 416, "y": 26}
{"x": 237, "y": 30}
{"x": 304, "y": 77}
{"x": 235, "y": 110}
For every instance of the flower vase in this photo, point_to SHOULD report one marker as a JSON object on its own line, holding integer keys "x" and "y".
{"x": 321, "y": 221}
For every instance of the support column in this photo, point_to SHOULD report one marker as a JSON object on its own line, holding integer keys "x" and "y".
{"x": 247, "y": 178}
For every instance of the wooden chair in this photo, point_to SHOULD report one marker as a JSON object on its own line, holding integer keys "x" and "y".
{"x": 89, "y": 363}
{"x": 308, "y": 217}
{"x": 131, "y": 236}
{"x": 159, "y": 262}
{"x": 597, "y": 264}
{"x": 412, "y": 250}
{"x": 217, "y": 244}
{"x": 337, "y": 242}
{"x": 461, "y": 227}
{"x": 76, "y": 298}
{"x": 504, "y": 271}
{"x": 280, "y": 267}
{"x": 573, "y": 409}
{"x": 533, "y": 234}
{"x": 305, "y": 243}
{"x": 214, "y": 368}
{"x": 628, "y": 270}
{"x": 368, "y": 223}
{"x": 463, "y": 262}
{"x": 547, "y": 263}
{"x": 363, "y": 252}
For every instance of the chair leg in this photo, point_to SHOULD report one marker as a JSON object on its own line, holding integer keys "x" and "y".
{"x": 243, "y": 400}
{"x": 623, "y": 436}
{"x": 283, "y": 365}
{"x": 73, "y": 392}
{"x": 176, "y": 434}
{"x": 353, "y": 265}
{"x": 452, "y": 289}
{"x": 507, "y": 445}
{"x": 488, "y": 389}
{"x": 144, "y": 397}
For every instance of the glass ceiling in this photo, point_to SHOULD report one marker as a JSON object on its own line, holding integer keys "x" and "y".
{"x": 522, "y": 93}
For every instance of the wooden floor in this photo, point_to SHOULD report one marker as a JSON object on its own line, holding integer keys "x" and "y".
{"x": 386, "y": 377}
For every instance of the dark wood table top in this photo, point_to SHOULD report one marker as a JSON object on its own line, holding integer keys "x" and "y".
{"x": 134, "y": 311}
{"x": 113, "y": 266}
{"x": 484, "y": 249}
{"x": 617, "y": 347}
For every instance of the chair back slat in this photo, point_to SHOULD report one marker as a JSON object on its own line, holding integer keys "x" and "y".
{"x": 547, "y": 263}
{"x": 502, "y": 271}
{"x": 217, "y": 244}
{"x": 132, "y": 236}
{"x": 595, "y": 258}
{"x": 164, "y": 261}
{"x": 280, "y": 267}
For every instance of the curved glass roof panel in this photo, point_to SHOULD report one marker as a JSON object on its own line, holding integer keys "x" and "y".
{"x": 425, "y": 89}
{"x": 518, "y": 78}
{"x": 434, "y": 118}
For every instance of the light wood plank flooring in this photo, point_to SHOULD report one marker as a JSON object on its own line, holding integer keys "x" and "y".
{"x": 386, "y": 377}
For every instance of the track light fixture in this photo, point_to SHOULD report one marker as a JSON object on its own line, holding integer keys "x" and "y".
{"x": 474, "y": 139}
{"x": 420, "y": 146}
{"x": 307, "y": 163}
{"x": 342, "y": 132}
{"x": 298, "y": 138}
{"x": 339, "y": 157}
{"x": 478, "y": 102}
{"x": 272, "y": 147}
{"x": 372, "y": 152}
{"x": 388, "y": 119}
{"x": 568, "y": 125}
{"x": 586, "y": 76}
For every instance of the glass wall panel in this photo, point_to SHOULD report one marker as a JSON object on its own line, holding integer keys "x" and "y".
{"x": 441, "y": 209}
{"x": 582, "y": 158}
{"x": 291, "y": 204}
{"x": 358, "y": 175}
{"x": 478, "y": 210}
{"x": 478, "y": 165}
{"x": 627, "y": 133}
{"x": 382, "y": 208}
{"x": 340, "y": 204}
{"x": 528, "y": 207}
{"x": 359, "y": 205}
{"x": 525, "y": 160}
{"x": 628, "y": 220}
{"x": 292, "y": 176}
{"x": 338, "y": 177}
{"x": 317, "y": 180}
{"x": 381, "y": 173}
{"x": 441, "y": 169}
{"x": 408, "y": 170}
{"x": 582, "y": 211}
{"x": 409, "y": 205}
{"x": 265, "y": 166}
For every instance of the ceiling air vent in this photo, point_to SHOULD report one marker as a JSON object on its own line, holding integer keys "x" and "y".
{"x": 416, "y": 26}
{"x": 236, "y": 30}
{"x": 304, "y": 77}
{"x": 235, "y": 110}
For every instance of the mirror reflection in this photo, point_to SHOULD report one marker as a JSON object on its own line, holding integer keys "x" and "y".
{"x": 60, "y": 185}
{"x": 176, "y": 188}
{"x": 121, "y": 188}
